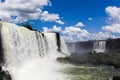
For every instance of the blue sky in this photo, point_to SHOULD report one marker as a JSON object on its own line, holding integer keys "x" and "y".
{"x": 97, "y": 18}
{"x": 74, "y": 11}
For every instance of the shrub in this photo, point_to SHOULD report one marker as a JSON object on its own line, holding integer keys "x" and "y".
{"x": 97, "y": 59}
{"x": 63, "y": 59}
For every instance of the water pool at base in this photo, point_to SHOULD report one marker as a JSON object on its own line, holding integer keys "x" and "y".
{"x": 90, "y": 72}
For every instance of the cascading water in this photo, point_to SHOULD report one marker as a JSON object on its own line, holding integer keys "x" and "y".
{"x": 30, "y": 55}
{"x": 64, "y": 48}
{"x": 99, "y": 46}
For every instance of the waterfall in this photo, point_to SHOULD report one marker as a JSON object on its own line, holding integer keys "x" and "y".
{"x": 99, "y": 46}
{"x": 30, "y": 55}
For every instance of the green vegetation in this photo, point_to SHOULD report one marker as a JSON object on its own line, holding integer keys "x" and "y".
{"x": 63, "y": 59}
{"x": 4, "y": 75}
{"x": 98, "y": 58}
{"x": 79, "y": 58}
{"x": 106, "y": 59}
{"x": 113, "y": 45}
{"x": 95, "y": 59}
{"x": 1, "y": 76}
{"x": 28, "y": 26}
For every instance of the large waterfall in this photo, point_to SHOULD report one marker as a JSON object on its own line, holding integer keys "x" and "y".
{"x": 30, "y": 55}
{"x": 99, "y": 46}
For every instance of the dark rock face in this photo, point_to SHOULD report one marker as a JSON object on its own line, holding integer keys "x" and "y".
{"x": 43, "y": 35}
{"x": 58, "y": 41}
{"x": 113, "y": 45}
{"x": 4, "y": 75}
{"x": 80, "y": 47}
{"x": 116, "y": 78}
{"x": 1, "y": 48}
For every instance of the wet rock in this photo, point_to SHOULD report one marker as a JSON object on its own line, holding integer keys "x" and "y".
{"x": 4, "y": 75}
{"x": 116, "y": 78}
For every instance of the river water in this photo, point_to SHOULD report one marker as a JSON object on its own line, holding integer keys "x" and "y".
{"x": 90, "y": 72}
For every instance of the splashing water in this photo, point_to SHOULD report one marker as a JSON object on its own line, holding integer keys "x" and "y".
{"x": 99, "y": 46}
{"x": 30, "y": 55}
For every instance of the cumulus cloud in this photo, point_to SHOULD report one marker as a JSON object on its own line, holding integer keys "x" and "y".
{"x": 59, "y": 22}
{"x": 79, "y": 24}
{"x": 23, "y": 10}
{"x": 70, "y": 33}
{"x": 45, "y": 16}
{"x": 114, "y": 28}
{"x": 101, "y": 35}
{"x": 56, "y": 28}
{"x": 53, "y": 29}
{"x": 113, "y": 20}
{"x": 114, "y": 14}
{"x": 45, "y": 29}
{"x": 75, "y": 33}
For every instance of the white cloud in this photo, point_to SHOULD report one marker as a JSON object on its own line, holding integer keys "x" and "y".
{"x": 114, "y": 19}
{"x": 114, "y": 13}
{"x": 79, "y": 24}
{"x": 56, "y": 29}
{"x": 49, "y": 17}
{"x": 23, "y": 10}
{"x": 53, "y": 29}
{"x": 73, "y": 33}
{"x": 45, "y": 16}
{"x": 114, "y": 28}
{"x": 90, "y": 18}
{"x": 59, "y": 22}
{"x": 101, "y": 36}
{"x": 45, "y": 29}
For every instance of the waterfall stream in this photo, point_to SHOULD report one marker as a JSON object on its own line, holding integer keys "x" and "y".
{"x": 31, "y": 55}
{"x": 99, "y": 46}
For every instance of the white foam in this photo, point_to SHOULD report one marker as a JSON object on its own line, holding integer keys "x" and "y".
{"x": 29, "y": 55}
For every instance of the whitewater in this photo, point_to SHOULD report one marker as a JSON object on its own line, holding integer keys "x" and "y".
{"x": 31, "y": 55}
